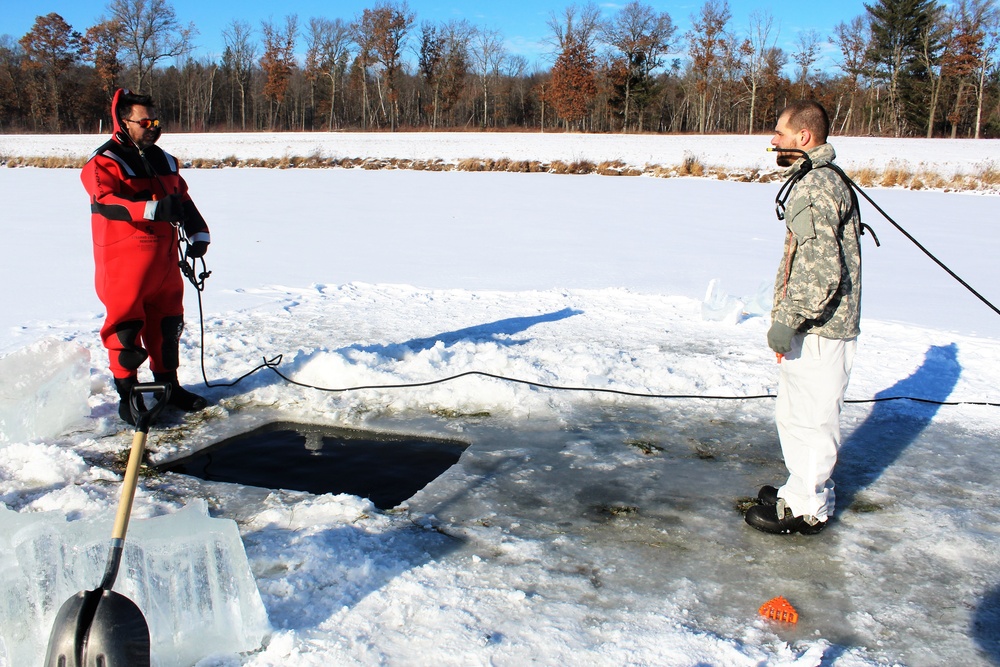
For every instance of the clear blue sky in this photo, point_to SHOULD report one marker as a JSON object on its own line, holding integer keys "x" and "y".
{"x": 521, "y": 22}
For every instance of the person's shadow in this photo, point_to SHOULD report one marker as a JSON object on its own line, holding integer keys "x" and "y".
{"x": 986, "y": 625}
{"x": 892, "y": 426}
{"x": 497, "y": 332}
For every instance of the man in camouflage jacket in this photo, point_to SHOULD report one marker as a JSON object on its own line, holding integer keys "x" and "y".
{"x": 814, "y": 329}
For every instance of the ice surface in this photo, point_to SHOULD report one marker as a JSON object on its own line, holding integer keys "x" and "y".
{"x": 44, "y": 388}
{"x": 187, "y": 572}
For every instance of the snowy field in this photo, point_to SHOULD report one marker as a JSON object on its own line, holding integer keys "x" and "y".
{"x": 578, "y": 527}
{"x": 739, "y": 152}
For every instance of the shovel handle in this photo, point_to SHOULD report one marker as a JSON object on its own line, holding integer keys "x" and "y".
{"x": 144, "y": 417}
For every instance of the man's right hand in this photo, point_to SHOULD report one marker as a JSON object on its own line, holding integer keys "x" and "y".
{"x": 779, "y": 338}
{"x": 169, "y": 209}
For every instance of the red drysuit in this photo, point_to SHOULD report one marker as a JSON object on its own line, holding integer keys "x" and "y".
{"x": 137, "y": 275}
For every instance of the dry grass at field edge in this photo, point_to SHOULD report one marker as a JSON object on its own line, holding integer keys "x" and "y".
{"x": 985, "y": 179}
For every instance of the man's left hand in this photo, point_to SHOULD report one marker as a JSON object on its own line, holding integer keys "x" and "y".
{"x": 197, "y": 249}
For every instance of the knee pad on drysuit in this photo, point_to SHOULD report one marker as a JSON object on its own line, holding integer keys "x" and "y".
{"x": 171, "y": 326}
{"x": 131, "y": 356}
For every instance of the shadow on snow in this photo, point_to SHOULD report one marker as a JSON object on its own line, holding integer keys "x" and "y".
{"x": 986, "y": 625}
{"x": 492, "y": 331}
{"x": 869, "y": 451}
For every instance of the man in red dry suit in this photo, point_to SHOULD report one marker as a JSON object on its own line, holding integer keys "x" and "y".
{"x": 138, "y": 202}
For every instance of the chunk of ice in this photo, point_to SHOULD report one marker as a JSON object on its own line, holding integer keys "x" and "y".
{"x": 187, "y": 572}
{"x": 719, "y": 306}
{"x": 44, "y": 388}
{"x": 762, "y": 301}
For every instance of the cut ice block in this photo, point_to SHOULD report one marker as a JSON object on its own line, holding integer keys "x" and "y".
{"x": 44, "y": 388}
{"x": 187, "y": 572}
{"x": 719, "y": 306}
{"x": 762, "y": 301}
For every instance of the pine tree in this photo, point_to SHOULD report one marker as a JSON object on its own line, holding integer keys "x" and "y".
{"x": 898, "y": 27}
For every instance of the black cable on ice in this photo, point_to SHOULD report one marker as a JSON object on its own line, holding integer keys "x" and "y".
{"x": 273, "y": 363}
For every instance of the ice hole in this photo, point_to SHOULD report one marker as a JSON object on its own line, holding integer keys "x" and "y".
{"x": 386, "y": 468}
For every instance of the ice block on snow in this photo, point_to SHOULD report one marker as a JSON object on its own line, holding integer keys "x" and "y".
{"x": 187, "y": 572}
{"x": 719, "y": 306}
{"x": 44, "y": 388}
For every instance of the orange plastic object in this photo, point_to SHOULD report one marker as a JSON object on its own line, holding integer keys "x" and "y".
{"x": 779, "y": 609}
{"x": 779, "y": 356}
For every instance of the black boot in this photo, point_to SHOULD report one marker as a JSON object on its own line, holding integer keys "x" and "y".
{"x": 766, "y": 518}
{"x": 124, "y": 387}
{"x": 768, "y": 495}
{"x": 180, "y": 398}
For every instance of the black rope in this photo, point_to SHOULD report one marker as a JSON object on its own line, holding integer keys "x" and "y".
{"x": 915, "y": 241}
{"x": 273, "y": 363}
{"x": 807, "y": 166}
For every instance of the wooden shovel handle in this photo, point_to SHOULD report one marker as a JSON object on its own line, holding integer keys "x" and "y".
{"x": 128, "y": 485}
{"x": 143, "y": 418}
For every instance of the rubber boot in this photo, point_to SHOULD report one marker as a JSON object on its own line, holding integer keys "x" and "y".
{"x": 180, "y": 398}
{"x": 768, "y": 495}
{"x": 124, "y": 387}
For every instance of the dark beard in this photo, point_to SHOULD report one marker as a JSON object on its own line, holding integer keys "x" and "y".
{"x": 785, "y": 159}
{"x": 149, "y": 137}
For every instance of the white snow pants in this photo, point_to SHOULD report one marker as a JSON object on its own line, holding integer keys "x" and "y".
{"x": 811, "y": 385}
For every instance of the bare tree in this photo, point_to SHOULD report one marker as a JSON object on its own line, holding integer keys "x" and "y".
{"x": 101, "y": 45}
{"x": 642, "y": 38}
{"x": 150, "y": 34}
{"x": 987, "y": 15}
{"x": 11, "y": 80}
{"x": 806, "y": 53}
{"x": 381, "y": 35}
{"x": 239, "y": 56}
{"x": 515, "y": 70}
{"x": 429, "y": 61}
{"x": 853, "y": 39}
{"x": 707, "y": 43}
{"x": 196, "y": 89}
{"x": 961, "y": 59}
{"x": 754, "y": 50}
{"x": 488, "y": 53}
{"x": 937, "y": 38}
{"x": 328, "y": 42}
{"x": 578, "y": 24}
{"x": 444, "y": 62}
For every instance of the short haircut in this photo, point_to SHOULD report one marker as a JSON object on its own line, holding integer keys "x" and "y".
{"x": 809, "y": 115}
{"x": 128, "y": 99}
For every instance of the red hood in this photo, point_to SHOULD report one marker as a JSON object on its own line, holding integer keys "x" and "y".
{"x": 117, "y": 126}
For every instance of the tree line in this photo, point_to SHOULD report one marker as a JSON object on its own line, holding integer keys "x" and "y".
{"x": 905, "y": 68}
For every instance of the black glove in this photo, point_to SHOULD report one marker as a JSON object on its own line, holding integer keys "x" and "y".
{"x": 197, "y": 249}
{"x": 169, "y": 209}
{"x": 779, "y": 337}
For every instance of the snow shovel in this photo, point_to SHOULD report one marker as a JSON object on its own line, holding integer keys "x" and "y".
{"x": 101, "y": 627}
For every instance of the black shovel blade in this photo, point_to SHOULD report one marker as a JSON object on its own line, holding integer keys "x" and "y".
{"x": 98, "y": 628}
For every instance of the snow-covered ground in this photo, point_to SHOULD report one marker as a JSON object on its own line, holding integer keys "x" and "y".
{"x": 556, "y": 539}
{"x": 734, "y": 151}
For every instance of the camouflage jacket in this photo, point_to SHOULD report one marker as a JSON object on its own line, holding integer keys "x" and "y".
{"x": 818, "y": 288}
